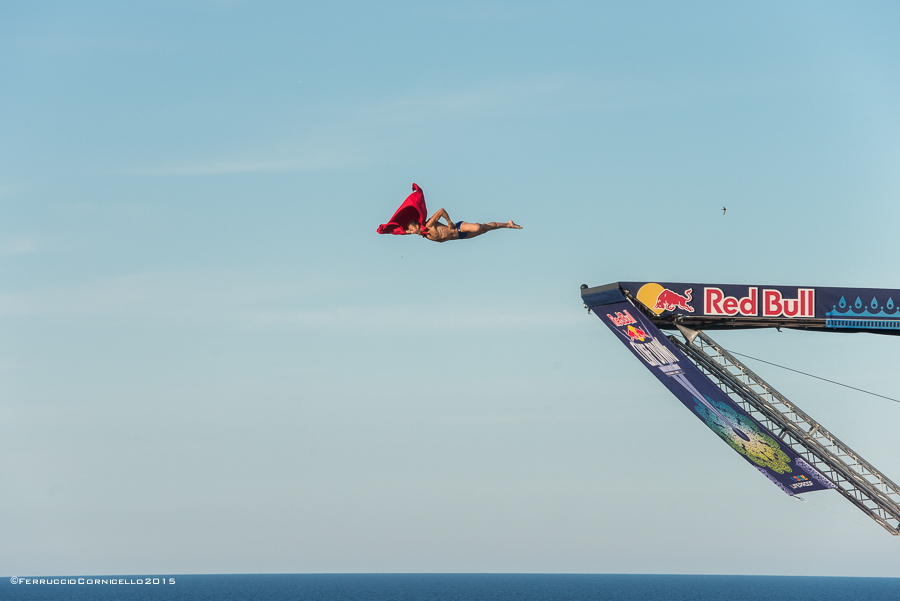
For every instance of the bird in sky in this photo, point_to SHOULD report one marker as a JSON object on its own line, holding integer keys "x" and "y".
{"x": 723, "y": 211}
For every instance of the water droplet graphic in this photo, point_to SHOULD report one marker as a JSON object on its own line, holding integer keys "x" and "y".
{"x": 858, "y": 304}
{"x": 843, "y": 303}
{"x": 890, "y": 303}
{"x": 874, "y": 304}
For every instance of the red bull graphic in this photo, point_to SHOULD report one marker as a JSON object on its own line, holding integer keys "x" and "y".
{"x": 636, "y": 333}
{"x": 669, "y": 300}
{"x": 658, "y": 298}
{"x": 622, "y": 318}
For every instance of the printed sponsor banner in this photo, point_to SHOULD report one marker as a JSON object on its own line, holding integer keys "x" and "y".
{"x": 872, "y": 309}
{"x": 699, "y": 394}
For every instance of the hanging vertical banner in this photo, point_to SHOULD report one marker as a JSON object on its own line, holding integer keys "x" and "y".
{"x": 697, "y": 392}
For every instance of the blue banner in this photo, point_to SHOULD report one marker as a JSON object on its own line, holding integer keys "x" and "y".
{"x": 697, "y": 392}
{"x": 874, "y": 310}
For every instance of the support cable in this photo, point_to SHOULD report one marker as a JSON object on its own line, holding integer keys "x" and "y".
{"x": 814, "y": 376}
{"x": 840, "y": 515}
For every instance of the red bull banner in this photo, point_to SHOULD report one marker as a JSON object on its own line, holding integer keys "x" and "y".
{"x": 756, "y": 444}
{"x": 808, "y": 307}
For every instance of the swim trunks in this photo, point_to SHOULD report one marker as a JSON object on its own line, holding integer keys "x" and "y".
{"x": 462, "y": 236}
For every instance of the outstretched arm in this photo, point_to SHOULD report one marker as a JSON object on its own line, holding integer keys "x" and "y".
{"x": 437, "y": 215}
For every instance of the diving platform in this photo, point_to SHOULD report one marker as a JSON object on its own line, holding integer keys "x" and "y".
{"x": 783, "y": 442}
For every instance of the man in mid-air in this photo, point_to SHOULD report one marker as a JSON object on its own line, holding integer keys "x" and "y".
{"x": 461, "y": 230}
{"x": 410, "y": 218}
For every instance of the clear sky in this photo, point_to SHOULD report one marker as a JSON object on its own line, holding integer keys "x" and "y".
{"x": 210, "y": 362}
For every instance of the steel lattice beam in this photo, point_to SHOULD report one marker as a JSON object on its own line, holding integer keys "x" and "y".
{"x": 855, "y": 478}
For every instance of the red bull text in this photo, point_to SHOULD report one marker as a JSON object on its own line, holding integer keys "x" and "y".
{"x": 621, "y": 320}
{"x": 774, "y": 304}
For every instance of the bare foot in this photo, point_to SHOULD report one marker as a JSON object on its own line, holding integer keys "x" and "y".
{"x": 512, "y": 225}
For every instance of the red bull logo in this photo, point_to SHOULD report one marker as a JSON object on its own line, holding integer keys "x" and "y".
{"x": 669, "y": 300}
{"x": 755, "y": 302}
{"x": 636, "y": 333}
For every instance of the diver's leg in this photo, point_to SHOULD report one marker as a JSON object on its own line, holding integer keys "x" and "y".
{"x": 470, "y": 230}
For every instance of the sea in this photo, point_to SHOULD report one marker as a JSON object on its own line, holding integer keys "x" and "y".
{"x": 449, "y": 587}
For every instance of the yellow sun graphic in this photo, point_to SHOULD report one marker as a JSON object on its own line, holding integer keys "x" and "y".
{"x": 648, "y": 295}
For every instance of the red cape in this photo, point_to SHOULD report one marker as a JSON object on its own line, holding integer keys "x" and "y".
{"x": 412, "y": 209}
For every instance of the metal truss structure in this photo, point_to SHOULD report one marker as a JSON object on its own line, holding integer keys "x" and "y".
{"x": 855, "y": 478}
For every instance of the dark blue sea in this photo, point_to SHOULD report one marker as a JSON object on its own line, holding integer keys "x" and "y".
{"x": 450, "y": 587}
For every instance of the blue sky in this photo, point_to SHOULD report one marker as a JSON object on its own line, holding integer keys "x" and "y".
{"x": 209, "y": 361}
